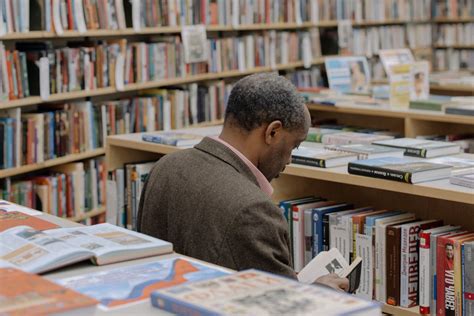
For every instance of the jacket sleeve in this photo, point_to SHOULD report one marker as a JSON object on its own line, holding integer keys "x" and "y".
{"x": 258, "y": 239}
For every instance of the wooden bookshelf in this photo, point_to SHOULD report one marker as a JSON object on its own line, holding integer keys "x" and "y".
{"x": 454, "y": 20}
{"x": 50, "y": 163}
{"x": 88, "y": 214}
{"x": 34, "y": 100}
{"x": 437, "y": 199}
{"x": 455, "y": 46}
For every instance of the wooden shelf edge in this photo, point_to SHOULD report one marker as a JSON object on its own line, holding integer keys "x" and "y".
{"x": 50, "y": 163}
{"x": 88, "y": 214}
{"x": 400, "y": 311}
{"x": 455, "y": 46}
{"x": 34, "y": 100}
{"x": 386, "y": 185}
{"x": 417, "y": 115}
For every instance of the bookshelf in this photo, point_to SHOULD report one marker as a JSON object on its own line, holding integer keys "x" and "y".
{"x": 437, "y": 199}
{"x": 88, "y": 214}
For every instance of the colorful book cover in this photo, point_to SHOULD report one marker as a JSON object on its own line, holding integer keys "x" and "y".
{"x": 400, "y": 85}
{"x": 420, "y": 86}
{"x": 23, "y": 293}
{"x": 127, "y": 285}
{"x": 458, "y": 293}
{"x": 253, "y": 292}
{"x": 348, "y": 74}
{"x": 172, "y": 139}
{"x": 13, "y": 219}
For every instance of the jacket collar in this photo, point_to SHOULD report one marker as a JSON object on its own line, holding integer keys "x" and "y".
{"x": 225, "y": 154}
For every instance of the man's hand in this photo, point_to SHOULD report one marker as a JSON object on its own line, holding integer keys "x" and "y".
{"x": 334, "y": 281}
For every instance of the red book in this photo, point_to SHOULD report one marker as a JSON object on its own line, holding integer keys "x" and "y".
{"x": 445, "y": 301}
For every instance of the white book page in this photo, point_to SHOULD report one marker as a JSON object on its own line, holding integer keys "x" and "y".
{"x": 35, "y": 251}
{"x": 324, "y": 263}
{"x": 105, "y": 238}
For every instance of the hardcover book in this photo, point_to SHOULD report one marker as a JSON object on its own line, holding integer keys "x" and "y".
{"x": 400, "y": 169}
{"x": 253, "y": 292}
{"x": 346, "y": 138}
{"x": 320, "y": 157}
{"x": 24, "y": 293}
{"x": 367, "y": 151}
{"x": 316, "y": 134}
{"x": 40, "y": 251}
{"x": 123, "y": 286}
{"x": 173, "y": 139}
{"x": 465, "y": 180}
{"x": 420, "y": 147}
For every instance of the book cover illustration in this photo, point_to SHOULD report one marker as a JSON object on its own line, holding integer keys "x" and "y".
{"x": 253, "y": 292}
{"x": 28, "y": 294}
{"x": 124, "y": 286}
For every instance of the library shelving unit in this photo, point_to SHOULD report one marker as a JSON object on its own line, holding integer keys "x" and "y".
{"x": 131, "y": 33}
{"x": 437, "y": 199}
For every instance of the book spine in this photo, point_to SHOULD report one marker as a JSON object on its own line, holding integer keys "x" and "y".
{"x": 325, "y": 232}
{"x": 308, "y": 237}
{"x": 445, "y": 301}
{"x": 178, "y": 307}
{"x": 380, "y": 173}
{"x": 415, "y": 152}
{"x": 468, "y": 281}
{"x": 425, "y": 274}
{"x": 316, "y": 233}
{"x": 297, "y": 255}
{"x": 393, "y": 265}
{"x": 409, "y": 266}
{"x": 313, "y": 162}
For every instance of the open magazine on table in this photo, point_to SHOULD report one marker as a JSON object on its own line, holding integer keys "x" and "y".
{"x": 39, "y": 251}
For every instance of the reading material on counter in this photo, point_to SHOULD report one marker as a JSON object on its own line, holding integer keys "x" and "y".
{"x": 420, "y": 147}
{"x": 39, "y": 251}
{"x": 320, "y": 157}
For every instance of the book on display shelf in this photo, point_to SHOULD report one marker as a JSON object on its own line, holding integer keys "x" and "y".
{"x": 421, "y": 148}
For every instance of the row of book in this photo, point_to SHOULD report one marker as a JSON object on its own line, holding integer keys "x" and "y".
{"x": 306, "y": 78}
{"x": 376, "y": 10}
{"x": 454, "y": 34}
{"x": 41, "y": 69}
{"x": 37, "y": 245}
{"x": 369, "y": 41}
{"x": 406, "y": 261}
{"x": 452, "y": 9}
{"x": 68, "y": 190}
{"x": 59, "y": 130}
{"x": 453, "y": 59}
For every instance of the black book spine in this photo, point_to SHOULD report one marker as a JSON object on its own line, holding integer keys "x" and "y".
{"x": 377, "y": 172}
{"x": 313, "y": 162}
{"x": 415, "y": 152}
{"x": 326, "y": 232}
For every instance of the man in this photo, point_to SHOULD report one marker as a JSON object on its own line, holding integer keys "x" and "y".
{"x": 213, "y": 202}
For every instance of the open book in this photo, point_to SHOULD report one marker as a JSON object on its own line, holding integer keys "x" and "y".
{"x": 332, "y": 261}
{"x": 39, "y": 251}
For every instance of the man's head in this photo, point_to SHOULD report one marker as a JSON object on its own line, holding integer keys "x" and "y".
{"x": 449, "y": 251}
{"x": 266, "y": 119}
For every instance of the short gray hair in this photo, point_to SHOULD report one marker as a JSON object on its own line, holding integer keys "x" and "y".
{"x": 263, "y": 98}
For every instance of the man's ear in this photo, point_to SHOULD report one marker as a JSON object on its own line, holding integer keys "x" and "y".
{"x": 273, "y": 132}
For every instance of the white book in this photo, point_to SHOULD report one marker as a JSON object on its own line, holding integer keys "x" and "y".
{"x": 380, "y": 255}
{"x": 111, "y": 215}
{"x": 40, "y": 251}
{"x": 120, "y": 14}
{"x": 120, "y": 179}
{"x": 365, "y": 251}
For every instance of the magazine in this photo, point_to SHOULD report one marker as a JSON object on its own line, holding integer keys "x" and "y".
{"x": 39, "y": 251}
{"x": 252, "y": 292}
{"x": 128, "y": 285}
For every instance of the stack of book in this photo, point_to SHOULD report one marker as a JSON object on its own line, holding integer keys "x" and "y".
{"x": 401, "y": 254}
{"x": 68, "y": 190}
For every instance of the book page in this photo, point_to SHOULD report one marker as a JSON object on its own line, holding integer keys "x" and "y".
{"x": 105, "y": 238}
{"x": 324, "y": 263}
{"x": 34, "y": 251}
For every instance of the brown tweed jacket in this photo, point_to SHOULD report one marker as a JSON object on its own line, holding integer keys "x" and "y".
{"x": 207, "y": 202}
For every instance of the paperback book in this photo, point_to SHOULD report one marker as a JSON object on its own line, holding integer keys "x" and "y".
{"x": 367, "y": 151}
{"x": 24, "y": 293}
{"x": 321, "y": 158}
{"x": 124, "y": 286}
{"x": 420, "y": 147}
{"x": 399, "y": 169}
{"x": 465, "y": 180}
{"x": 39, "y": 251}
{"x": 253, "y": 292}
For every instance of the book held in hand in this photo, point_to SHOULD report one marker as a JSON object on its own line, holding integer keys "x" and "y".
{"x": 420, "y": 147}
{"x": 123, "y": 286}
{"x": 24, "y": 293}
{"x": 40, "y": 251}
{"x": 400, "y": 169}
{"x": 252, "y": 292}
{"x": 332, "y": 261}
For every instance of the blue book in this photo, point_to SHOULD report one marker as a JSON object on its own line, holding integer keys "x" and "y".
{"x": 370, "y": 220}
{"x": 173, "y": 139}
{"x": 320, "y": 232}
{"x": 253, "y": 292}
